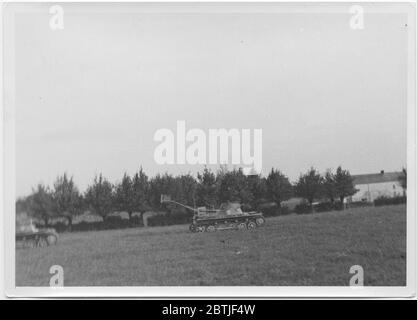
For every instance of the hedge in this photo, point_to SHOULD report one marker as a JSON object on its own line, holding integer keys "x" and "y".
{"x": 382, "y": 201}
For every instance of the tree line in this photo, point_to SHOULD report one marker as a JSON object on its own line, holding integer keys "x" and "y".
{"x": 140, "y": 193}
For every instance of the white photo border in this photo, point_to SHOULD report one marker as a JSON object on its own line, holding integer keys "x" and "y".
{"x": 8, "y": 159}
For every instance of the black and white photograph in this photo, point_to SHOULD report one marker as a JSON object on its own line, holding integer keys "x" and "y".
{"x": 209, "y": 149}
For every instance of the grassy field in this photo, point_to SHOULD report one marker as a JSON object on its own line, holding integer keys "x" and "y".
{"x": 316, "y": 249}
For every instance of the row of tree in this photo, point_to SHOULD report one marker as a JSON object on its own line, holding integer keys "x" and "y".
{"x": 139, "y": 193}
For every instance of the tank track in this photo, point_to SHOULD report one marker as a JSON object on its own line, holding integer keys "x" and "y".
{"x": 237, "y": 222}
{"x": 41, "y": 238}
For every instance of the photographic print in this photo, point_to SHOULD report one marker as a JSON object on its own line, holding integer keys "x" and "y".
{"x": 207, "y": 145}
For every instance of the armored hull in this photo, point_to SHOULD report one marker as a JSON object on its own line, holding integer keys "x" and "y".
{"x": 250, "y": 220}
{"x": 29, "y": 236}
{"x": 228, "y": 216}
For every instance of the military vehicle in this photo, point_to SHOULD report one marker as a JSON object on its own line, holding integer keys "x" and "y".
{"x": 29, "y": 236}
{"x": 228, "y": 216}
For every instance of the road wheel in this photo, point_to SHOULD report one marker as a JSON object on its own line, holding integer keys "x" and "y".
{"x": 51, "y": 239}
{"x": 260, "y": 221}
{"x": 42, "y": 242}
{"x": 251, "y": 225}
{"x": 210, "y": 229}
{"x": 200, "y": 229}
{"x": 241, "y": 226}
{"x": 29, "y": 243}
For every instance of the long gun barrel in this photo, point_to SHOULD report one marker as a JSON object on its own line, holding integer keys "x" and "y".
{"x": 167, "y": 199}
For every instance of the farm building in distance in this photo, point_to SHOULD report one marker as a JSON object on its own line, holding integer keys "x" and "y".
{"x": 372, "y": 186}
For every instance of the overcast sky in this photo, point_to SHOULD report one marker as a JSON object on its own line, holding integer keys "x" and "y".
{"x": 90, "y": 97}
